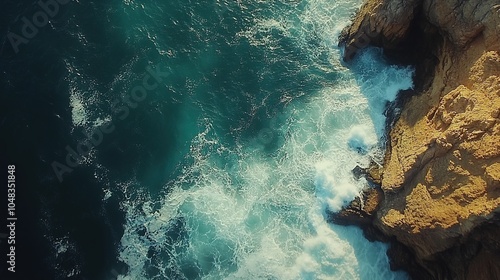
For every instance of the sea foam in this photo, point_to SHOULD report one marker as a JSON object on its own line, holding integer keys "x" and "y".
{"x": 245, "y": 213}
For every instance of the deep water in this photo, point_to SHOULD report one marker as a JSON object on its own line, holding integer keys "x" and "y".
{"x": 221, "y": 170}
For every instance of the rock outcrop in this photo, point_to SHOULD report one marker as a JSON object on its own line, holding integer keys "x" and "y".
{"x": 441, "y": 176}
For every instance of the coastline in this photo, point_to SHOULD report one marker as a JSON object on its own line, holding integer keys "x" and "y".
{"x": 438, "y": 203}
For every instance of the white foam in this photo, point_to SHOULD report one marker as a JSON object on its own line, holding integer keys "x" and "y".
{"x": 251, "y": 215}
{"x": 76, "y": 99}
{"x": 380, "y": 83}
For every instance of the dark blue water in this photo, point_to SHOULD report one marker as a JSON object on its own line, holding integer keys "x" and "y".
{"x": 190, "y": 139}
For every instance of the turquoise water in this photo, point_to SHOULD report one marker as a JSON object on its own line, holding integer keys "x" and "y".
{"x": 228, "y": 167}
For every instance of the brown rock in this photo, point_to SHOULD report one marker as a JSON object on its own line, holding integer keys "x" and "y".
{"x": 381, "y": 23}
{"x": 361, "y": 212}
{"x": 441, "y": 176}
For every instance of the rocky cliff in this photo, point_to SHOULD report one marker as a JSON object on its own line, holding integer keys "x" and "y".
{"x": 440, "y": 200}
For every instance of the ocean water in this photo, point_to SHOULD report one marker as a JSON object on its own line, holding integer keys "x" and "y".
{"x": 223, "y": 170}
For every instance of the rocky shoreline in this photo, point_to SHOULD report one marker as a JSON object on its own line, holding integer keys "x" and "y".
{"x": 438, "y": 196}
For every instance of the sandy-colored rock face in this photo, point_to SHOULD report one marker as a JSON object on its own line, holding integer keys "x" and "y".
{"x": 441, "y": 177}
{"x": 462, "y": 21}
{"x": 446, "y": 150}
